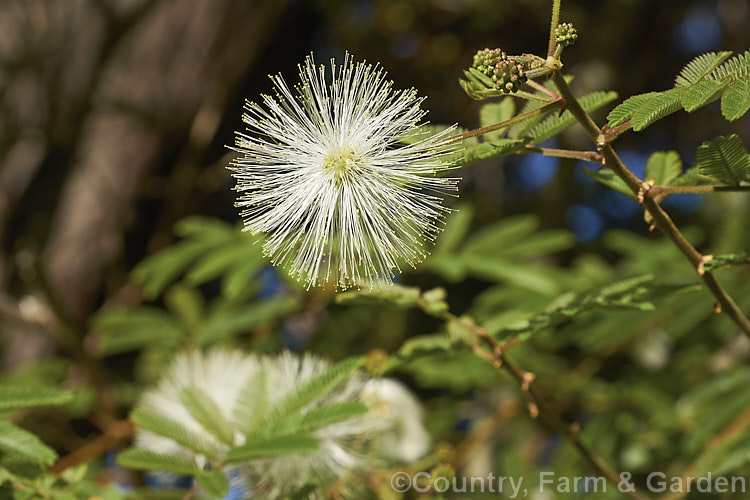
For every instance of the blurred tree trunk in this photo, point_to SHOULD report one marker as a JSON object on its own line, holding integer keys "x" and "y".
{"x": 94, "y": 94}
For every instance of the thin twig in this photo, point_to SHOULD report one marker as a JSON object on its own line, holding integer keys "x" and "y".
{"x": 660, "y": 218}
{"x": 542, "y": 88}
{"x": 668, "y": 190}
{"x": 193, "y": 491}
{"x": 115, "y": 433}
{"x": 591, "y": 156}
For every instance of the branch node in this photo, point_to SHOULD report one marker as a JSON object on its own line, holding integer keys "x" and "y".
{"x": 526, "y": 379}
{"x": 575, "y": 429}
{"x": 533, "y": 410}
{"x": 646, "y": 186}
{"x": 702, "y": 263}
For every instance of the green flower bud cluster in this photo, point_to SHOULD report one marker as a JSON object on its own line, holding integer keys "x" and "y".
{"x": 507, "y": 73}
{"x": 566, "y": 34}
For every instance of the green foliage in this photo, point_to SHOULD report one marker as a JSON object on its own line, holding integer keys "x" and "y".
{"x": 612, "y": 181}
{"x": 624, "y": 111}
{"x": 701, "y": 82}
{"x": 206, "y": 412}
{"x": 17, "y": 442}
{"x": 727, "y": 260}
{"x": 272, "y": 447}
{"x": 635, "y": 293}
{"x": 486, "y": 151}
{"x": 735, "y": 101}
{"x": 701, "y": 94}
{"x": 734, "y": 69}
{"x": 317, "y": 417}
{"x": 700, "y": 68}
{"x": 165, "y": 426}
{"x": 656, "y": 108}
{"x": 497, "y": 112}
{"x": 663, "y": 167}
{"x": 132, "y": 329}
{"x": 210, "y": 249}
{"x": 725, "y": 160}
{"x": 141, "y": 459}
{"x": 214, "y": 482}
{"x": 314, "y": 388}
{"x": 17, "y": 397}
{"x": 555, "y": 124}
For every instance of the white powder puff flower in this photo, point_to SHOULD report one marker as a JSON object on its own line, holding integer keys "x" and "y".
{"x": 404, "y": 438}
{"x": 241, "y": 385}
{"x": 323, "y": 173}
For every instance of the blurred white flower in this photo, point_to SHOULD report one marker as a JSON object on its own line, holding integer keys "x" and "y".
{"x": 391, "y": 428}
{"x": 404, "y": 438}
{"x": 324, "y": 175}
{"x": 220, "y": 373}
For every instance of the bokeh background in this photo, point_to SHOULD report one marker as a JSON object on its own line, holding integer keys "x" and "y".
{"x": 114, "y": 121}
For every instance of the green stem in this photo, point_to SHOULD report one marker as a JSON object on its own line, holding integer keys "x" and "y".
{"x": 590, "y": 156}
{"x": 506, "y": 123}
{"x": 553, "y": 25}
{"x": 660, "y": 218}
{"x": 667, "y": 190}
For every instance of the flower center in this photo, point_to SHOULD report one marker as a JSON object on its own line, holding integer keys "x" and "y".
{"x": 339, "y": 162}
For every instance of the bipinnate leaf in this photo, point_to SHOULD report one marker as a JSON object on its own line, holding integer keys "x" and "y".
{"x": 700, "y": 68}
{"x": 701, "y": 94}
{"x": 132, "y": 329}
{"x": 13, "y": 397}
{"x": 657, "y": 108}
{"x": 142, "y": 459}
{"x": 166, "y": 427}
{"x": 663, "y": 167}
{"x": 691, "y": 177}
{"x": 15, "y": 441}
{"x": 734, "y": 69}
{"x": 315, "y": 388}
{"x": 496, "y": 112}
{"x": 609, "y": 179}
{"x": 735, "y": 101}
{"x": 205, "y": 411}
{"x": 624, "y": 111}
{"x": 252, "y": 404}
{"x": 272, "y": 447}
{"x": 316, "y": 418}
{"x": 727, "y": 260}
{"x": 725, "y": 160}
